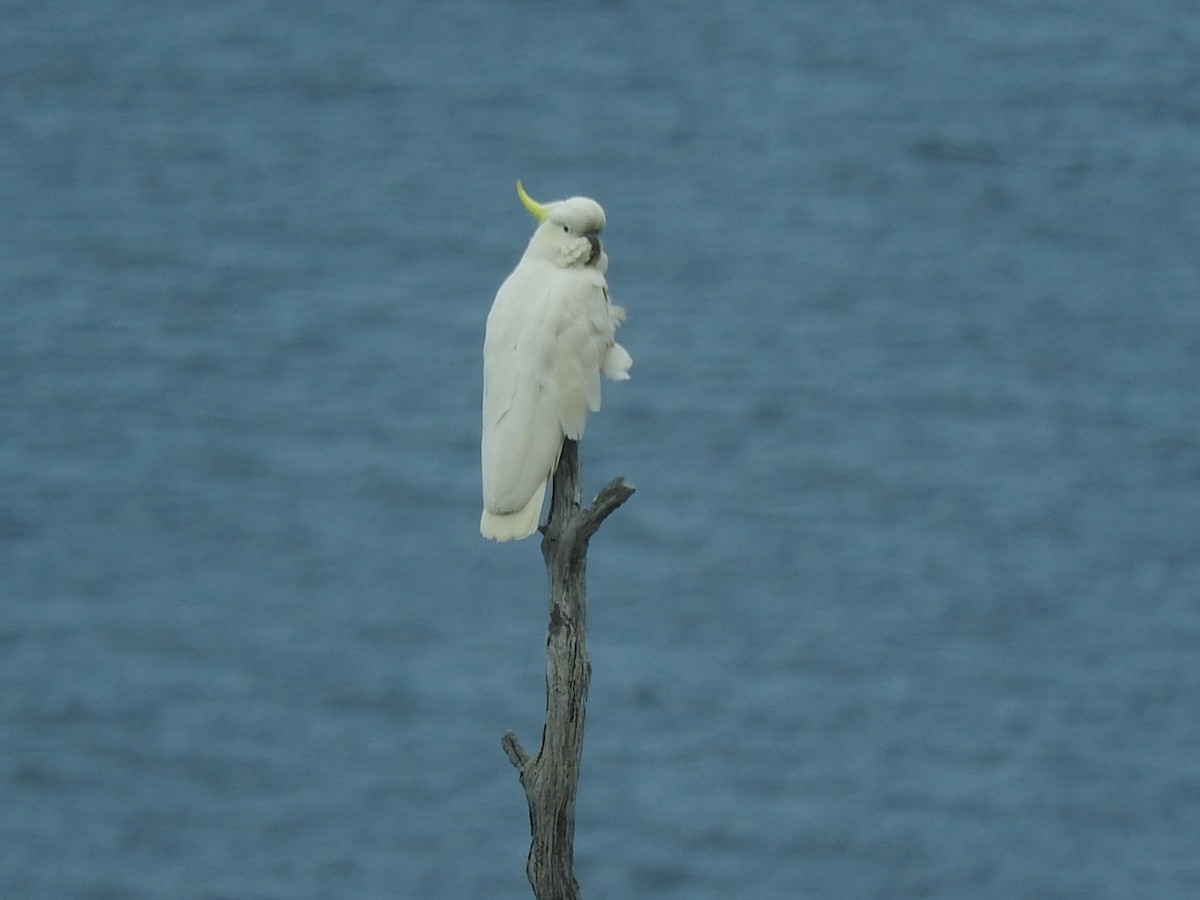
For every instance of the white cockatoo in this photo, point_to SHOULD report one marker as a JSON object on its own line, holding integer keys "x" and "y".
{"x": 550, "y": 336}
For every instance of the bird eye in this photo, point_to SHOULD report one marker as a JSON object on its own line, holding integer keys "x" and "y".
{"x": 567, "y": 229}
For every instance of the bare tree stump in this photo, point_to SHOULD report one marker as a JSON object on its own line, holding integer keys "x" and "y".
{"x": 551, "y": 778}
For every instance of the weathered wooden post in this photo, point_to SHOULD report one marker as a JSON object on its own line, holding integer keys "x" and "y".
{"x": 551, "y": 778}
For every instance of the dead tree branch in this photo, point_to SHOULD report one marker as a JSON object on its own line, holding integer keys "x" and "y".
{"x": 551, "y": 778}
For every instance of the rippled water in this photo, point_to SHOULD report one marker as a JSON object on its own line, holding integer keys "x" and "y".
{"x": 908, "y": 601}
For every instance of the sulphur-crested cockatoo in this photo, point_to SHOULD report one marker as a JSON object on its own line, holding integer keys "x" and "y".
{"x": 549, "y": 339}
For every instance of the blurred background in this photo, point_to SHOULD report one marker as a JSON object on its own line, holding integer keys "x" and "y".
{"x": 908, "y": 601}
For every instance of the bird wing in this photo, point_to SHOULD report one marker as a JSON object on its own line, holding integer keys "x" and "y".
{"x": 547, "y": 335}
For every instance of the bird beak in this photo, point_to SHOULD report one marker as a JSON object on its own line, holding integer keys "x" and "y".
{"x": 537, "y": 210}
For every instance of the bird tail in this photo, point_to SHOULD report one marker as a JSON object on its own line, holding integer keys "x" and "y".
{"x": 516, "y": 525}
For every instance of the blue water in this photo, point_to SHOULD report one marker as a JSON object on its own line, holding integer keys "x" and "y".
{"x": 908, "y": 601}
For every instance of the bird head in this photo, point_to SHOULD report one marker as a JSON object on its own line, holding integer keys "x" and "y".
{"x": 568, "y": 233}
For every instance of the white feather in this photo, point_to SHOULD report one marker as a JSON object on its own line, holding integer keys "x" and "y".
{"x": 550, "y": 335}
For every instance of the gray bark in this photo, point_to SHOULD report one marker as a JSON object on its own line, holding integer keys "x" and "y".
{"x": 551, "y": 778}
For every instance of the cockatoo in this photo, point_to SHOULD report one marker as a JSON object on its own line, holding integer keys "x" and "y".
{"x": 550, "y": 336}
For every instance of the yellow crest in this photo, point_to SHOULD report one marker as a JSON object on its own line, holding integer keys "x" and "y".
{"x": 537, "y": 210}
